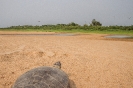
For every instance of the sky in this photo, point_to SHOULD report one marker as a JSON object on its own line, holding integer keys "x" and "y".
{"x": 43, "y": 12}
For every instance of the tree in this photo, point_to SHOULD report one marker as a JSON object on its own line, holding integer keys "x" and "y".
{"x": 96, "y": 23}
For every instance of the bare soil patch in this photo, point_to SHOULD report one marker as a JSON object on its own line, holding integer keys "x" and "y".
{"x": 91, "y": 61}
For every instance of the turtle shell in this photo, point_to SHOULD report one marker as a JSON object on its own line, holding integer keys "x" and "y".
{"x": 43, "y": 77}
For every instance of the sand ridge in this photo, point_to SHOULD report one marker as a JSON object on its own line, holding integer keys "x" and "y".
{"x": 91, "y": 61}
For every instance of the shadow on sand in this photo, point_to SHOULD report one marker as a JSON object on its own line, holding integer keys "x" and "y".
{"x": 72, "y": 84}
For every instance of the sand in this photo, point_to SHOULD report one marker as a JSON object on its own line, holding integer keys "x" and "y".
{"x": 90, "y": 60}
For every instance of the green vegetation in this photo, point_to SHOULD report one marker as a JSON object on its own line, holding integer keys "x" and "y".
{"x": 94, "y": 27}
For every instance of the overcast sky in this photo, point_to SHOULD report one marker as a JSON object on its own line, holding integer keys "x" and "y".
{"x": 40, "y": 12}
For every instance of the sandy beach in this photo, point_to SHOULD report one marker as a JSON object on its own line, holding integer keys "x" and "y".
{"x": 90, "y": 60}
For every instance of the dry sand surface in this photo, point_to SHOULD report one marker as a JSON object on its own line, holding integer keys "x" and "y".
{"x": 91, "y": 61}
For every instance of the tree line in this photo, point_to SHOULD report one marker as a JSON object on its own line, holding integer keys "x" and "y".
{"x": 95, "y": 25}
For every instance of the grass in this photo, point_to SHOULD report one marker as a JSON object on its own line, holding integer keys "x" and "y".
{"x": 122, "y": 32}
